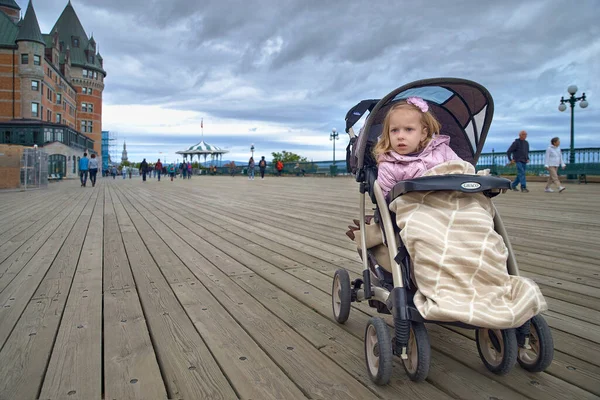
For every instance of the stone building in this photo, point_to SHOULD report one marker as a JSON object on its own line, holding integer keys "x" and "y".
{"x": 50, "y": 86}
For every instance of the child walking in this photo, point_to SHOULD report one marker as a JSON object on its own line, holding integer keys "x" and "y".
{"x": 410, "y": 143}
{"x": 552, "y": 162}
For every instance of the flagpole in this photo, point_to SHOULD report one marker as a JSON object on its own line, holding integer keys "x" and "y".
{"x": 202, "y": 127}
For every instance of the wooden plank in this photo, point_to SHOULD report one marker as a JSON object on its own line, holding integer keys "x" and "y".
{"x": 30, "y": 240}
{"x": 131, "y": 369}
{"x": 17, "y": 292}
{"x": 24, "y": 357}
{"x": 314, "y": 373}
{"x": 188, "y": 367}
{"x": 75, "y": 368}
{"x": 573, "y": 310}
{"x": 249, "y": 369}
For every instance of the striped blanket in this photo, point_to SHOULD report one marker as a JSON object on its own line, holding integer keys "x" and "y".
{"x": 460, "y": 260}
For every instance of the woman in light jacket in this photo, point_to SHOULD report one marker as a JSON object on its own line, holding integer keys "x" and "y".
{"x": 552, "y": 162}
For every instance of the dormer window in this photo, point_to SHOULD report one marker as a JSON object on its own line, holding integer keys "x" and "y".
{"x": 75, "y": 41}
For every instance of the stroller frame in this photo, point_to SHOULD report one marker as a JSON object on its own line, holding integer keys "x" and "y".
{"x": 498, "y": 349}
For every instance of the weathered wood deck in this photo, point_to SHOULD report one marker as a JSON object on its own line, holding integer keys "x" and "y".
{"x": 219, "y": 287}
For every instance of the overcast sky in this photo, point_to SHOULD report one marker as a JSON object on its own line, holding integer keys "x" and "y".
{"x": 282, "y": 73}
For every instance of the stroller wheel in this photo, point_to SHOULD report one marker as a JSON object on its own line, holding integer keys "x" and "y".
{"x": 540, "y": 356}
{"x": 497, "y": 349}
{"x": 378, "y": 351}
{"x": 341, "y": 295}
{"x": 418, "y": 352}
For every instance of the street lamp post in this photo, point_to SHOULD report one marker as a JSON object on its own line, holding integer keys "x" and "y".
{"x": 562, "y": 107}
{"x": 252, "y": 149}
{"x": 333, "y": 136}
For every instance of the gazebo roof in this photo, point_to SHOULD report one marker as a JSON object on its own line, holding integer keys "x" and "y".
{"x": 203, "y": 148}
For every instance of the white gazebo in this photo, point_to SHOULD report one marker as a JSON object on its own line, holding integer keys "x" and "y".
{"x": 204, "y": 149}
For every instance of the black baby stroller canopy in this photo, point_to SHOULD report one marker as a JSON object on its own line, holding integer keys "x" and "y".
{"x": 464, "y": 108}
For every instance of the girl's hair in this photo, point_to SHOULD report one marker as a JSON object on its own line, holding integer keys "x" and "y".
{"x": 427, "y": 120}
{"x": 554, "y": 140}
{"x": 93, "y": 156}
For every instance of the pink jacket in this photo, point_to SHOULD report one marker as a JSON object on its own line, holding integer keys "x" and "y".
{"x": 394, "y": 167}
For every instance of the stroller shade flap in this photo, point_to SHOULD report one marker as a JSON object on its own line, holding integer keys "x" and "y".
{"x": 464, "y": 109}
{"x": 356, "y": 112}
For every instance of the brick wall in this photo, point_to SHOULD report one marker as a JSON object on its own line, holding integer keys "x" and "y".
{"x": 10, "y": 166}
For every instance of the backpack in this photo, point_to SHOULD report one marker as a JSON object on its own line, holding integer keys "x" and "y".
{"x": 262, "y": 163}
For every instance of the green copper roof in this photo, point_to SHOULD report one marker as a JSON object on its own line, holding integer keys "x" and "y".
{"x": 30, "y": 30}
{"x": 10, "y": 4}
{"x": 69, "y": 27}
{"x": 8, "y": 31}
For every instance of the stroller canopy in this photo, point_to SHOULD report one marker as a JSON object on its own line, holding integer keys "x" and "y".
{"x": 463, "y": 108}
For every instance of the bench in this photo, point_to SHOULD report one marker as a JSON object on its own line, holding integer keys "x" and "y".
{"x": 581, "y": 170}
{"x": 54, "y": 177}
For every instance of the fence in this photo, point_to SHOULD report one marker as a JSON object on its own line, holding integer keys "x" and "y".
{"x": 34, "y": 169}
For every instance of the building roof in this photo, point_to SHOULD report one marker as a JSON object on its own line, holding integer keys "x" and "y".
{"x": 9, "y": 4}
{"x": 69, "y": 26}
{"x": 203, "y": 148}
{"x": 30, "y": 30}
{"x": 8, "y": 31}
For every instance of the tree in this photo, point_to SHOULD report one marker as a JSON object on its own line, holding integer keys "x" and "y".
{"x": 125, "y": 163}
{"x": 288, "y": 157}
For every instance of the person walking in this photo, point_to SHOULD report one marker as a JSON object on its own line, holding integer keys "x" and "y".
{"x": 144, "y": 169}
{"x": 262, "y": 166}
{"x": 189, "y": 167}
{"x": 518, "y": 153}
{"x": 552, "y": 161}
{"x": 171, "y": 171}
{"x": 279, "y": 166}
{"x": 93, "y": 167}
{"x": 83, "y": 169}
{"x": 158, "y": 168}
{"x": 251, "y": 169}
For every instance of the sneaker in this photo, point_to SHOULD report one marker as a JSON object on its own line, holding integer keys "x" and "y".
{"x": 514, "y": 188}
{"x": 524, "y": 190}
{"x": 548, "y": 190}
{"x": 561, "y": 188}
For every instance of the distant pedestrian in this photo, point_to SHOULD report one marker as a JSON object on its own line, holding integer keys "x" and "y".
{"x": 93, "y": 168}
{"x": 279, "y": 166}
{"x": 189, "y": 168}
{"x": 518, "y": 152}
{"x": 262, "y": 166}
{"x": 144, "y": 169}
{"x": 552, "y": 161}
{"x": 232, "y": 168}
{"x": 171, "y": 171}
{"x": 83, "y": 169}
{"x": 251, "y": 169}
{"x": 158, "y": 168}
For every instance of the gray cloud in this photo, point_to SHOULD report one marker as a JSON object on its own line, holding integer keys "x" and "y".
{"x": 303, "y": 63}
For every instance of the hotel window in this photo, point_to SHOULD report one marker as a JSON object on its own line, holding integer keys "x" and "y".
{"x": 35, "y": 85}
{"x": 49, "y": 94}
{"x": 59, "y": 134}
{"x": 35, "y": 109}
{"x": 75, "y": 42}
{"x": 84, "y": 90}
{"x": 58, "y": 119}
{"x": 58, "y": 98}
{"x": 24, "y": 58}
{"x": 84, "y": 107}
{"x": 37, "y": 60}
{"x": 90, "y": 107}
{"x": 85, "y": 73}
{"x": 90, "y": 91}
{"x": 48, "y": 136}
{"x": 95, "y": 75}
{"x": 48, "y": 115}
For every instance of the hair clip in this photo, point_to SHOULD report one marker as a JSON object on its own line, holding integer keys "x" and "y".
{"x": 419, "y": 103}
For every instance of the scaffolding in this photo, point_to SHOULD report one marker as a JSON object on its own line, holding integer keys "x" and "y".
{"x": 110, "y": 151}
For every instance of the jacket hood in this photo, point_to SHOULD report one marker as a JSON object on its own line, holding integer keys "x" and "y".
{"x": 392, "y": 156}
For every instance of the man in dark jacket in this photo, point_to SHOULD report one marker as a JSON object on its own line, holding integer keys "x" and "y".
{"x": 144, "y": 169}
{"x": 262, "y": 165}
{"x": 519, "y": 152}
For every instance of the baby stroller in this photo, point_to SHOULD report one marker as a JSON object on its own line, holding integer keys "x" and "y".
{"x": 465, "y": 111}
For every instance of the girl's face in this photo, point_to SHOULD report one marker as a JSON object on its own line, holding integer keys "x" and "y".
{"x": 557, "y": 143}
{"x": 406, "y": 131}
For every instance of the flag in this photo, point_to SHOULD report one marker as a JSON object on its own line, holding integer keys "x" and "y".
{"x": 202, "y": 123}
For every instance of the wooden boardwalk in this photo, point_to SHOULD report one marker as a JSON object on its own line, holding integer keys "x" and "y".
{"x": 219, "y": 287}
